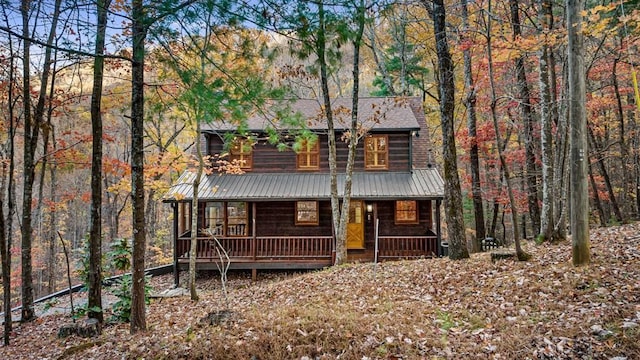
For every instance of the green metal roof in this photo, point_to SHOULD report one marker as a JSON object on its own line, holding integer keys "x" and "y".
{"x": 420, "y": 184}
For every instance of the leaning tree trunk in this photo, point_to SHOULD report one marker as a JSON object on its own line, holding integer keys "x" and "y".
{"x": 353, "y": 130}
{"x": 581, "y": 253}
{"x": 474, "y": 157}
{"x": 605, "y": 176}
{"x": 522, "y": 256}
{"x": 452, "y": 192}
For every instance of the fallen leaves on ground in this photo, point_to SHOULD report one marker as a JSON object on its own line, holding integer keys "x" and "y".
{"x": 433, "y": 309}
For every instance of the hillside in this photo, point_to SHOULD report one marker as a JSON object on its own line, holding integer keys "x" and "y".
{"x": 432, "y": 309}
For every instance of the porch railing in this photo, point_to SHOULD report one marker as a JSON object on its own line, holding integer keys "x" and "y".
{"x": 407, "y": 247}
{"x": 291, "y": 248}
{"x": 260, "y": 248}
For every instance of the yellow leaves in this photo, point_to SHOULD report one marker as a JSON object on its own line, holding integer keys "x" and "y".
{"x": 598, "y": 21}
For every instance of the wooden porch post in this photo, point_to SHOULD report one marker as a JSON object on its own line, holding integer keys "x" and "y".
{"x": 438, "y": 228}
{"x": 176, "y": 274}
{"x": 253, "y": 231}
{"x": 254, "y": 271}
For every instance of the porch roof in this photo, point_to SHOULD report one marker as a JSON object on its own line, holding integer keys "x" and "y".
{"x": 421, "y": 184}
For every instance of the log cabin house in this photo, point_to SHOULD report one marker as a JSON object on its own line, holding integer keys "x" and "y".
{"x": 277, "y": 214}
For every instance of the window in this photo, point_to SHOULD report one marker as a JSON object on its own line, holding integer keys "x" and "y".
{"x": 224, "y": 218}
{"x": 214, "y": 218}
{"x": 376, "y": 152}
{"x": 307, "y": 213}
{"x": 406, "y": 212}
{"x": 236, "y": 218}
{"x": 241, "y": 152}
{"x": 184, "y": 218}
{"x": 308, "y": 157}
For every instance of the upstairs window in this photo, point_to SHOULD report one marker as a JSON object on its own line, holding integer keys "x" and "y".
{"x": 376, "y": 152}
{"x": 308, "y": 157}
{"x": 406, "y": 212}
{"x": 241, "y": 152}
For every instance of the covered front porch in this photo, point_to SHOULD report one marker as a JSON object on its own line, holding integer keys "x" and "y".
{"x": 296, "y": 252}
{"x": 392, "y": 216}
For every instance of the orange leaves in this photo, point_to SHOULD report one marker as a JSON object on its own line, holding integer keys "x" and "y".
{"x": 432, "y": 308}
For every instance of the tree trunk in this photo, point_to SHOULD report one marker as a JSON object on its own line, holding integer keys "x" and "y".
{"x": 6, "y": 274}
{"x": 522, "y": 256}
{"x": 624, "y": 152}
{"x": 6, "y": 224}
{"x": 561, "y": 175}
{"x": 524, "y": 98}
{"x": 28, "y": 313}
{"x": 596, "y": 199}
{"x": 578, "y": 135}
{"x": 138, "y": 316}
{"x": 546, "y": 215}
{"x": 193, "y": 251}
{"x": 452, "y": 192}
{"x": 605, "y": 175}
{"x": 474, "y": 157}
{"x": 95, "y": 232}
{"x": 51, "y": 266}
{"x": 494, "y": 219}
{"x": 32, "y": 125}
{"x": 340, "y": 241}
{"x": 353, "y": 138}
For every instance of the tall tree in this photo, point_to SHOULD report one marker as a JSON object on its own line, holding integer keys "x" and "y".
{"x": 446, "y": 85}
{"x": 32, "y": 125}
{"x": 321, "y": 29}
{"x": 474, "y": 154}
{"x": 523, "y": 256}
{"x": 7, "y": 184}
{"x": 95, "y": 234}
{"x": 6, "y": 274}
{"x": 138, "y": 35}
{"x": 579, "y": 204}
{"x": 359, "y": 21}
{"x": 524, "y": 97}
{"x": 546, "y": 215}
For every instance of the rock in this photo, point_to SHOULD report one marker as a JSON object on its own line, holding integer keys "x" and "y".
{"x": 89, "y": 328}
{"x": 629, "y": 325}
{"x": 175, "y": 292}
{"x": 85, "y": 329}
{"x": 217, "y": 317}
{"x": 67, "y": 330}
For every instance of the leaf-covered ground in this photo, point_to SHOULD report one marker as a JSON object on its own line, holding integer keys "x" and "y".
{"x": 427, "y": 309}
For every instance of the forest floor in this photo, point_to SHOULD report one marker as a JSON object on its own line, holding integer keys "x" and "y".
{"x": 425, "y": 309}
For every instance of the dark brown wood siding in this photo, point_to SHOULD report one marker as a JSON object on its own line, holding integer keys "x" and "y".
{"x": 278, "y": 219}
{"x": 388, "y": 227}
{"x": 267, "y": 158}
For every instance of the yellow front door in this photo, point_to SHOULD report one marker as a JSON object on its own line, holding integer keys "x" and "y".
{"x": 355, "y": 227}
